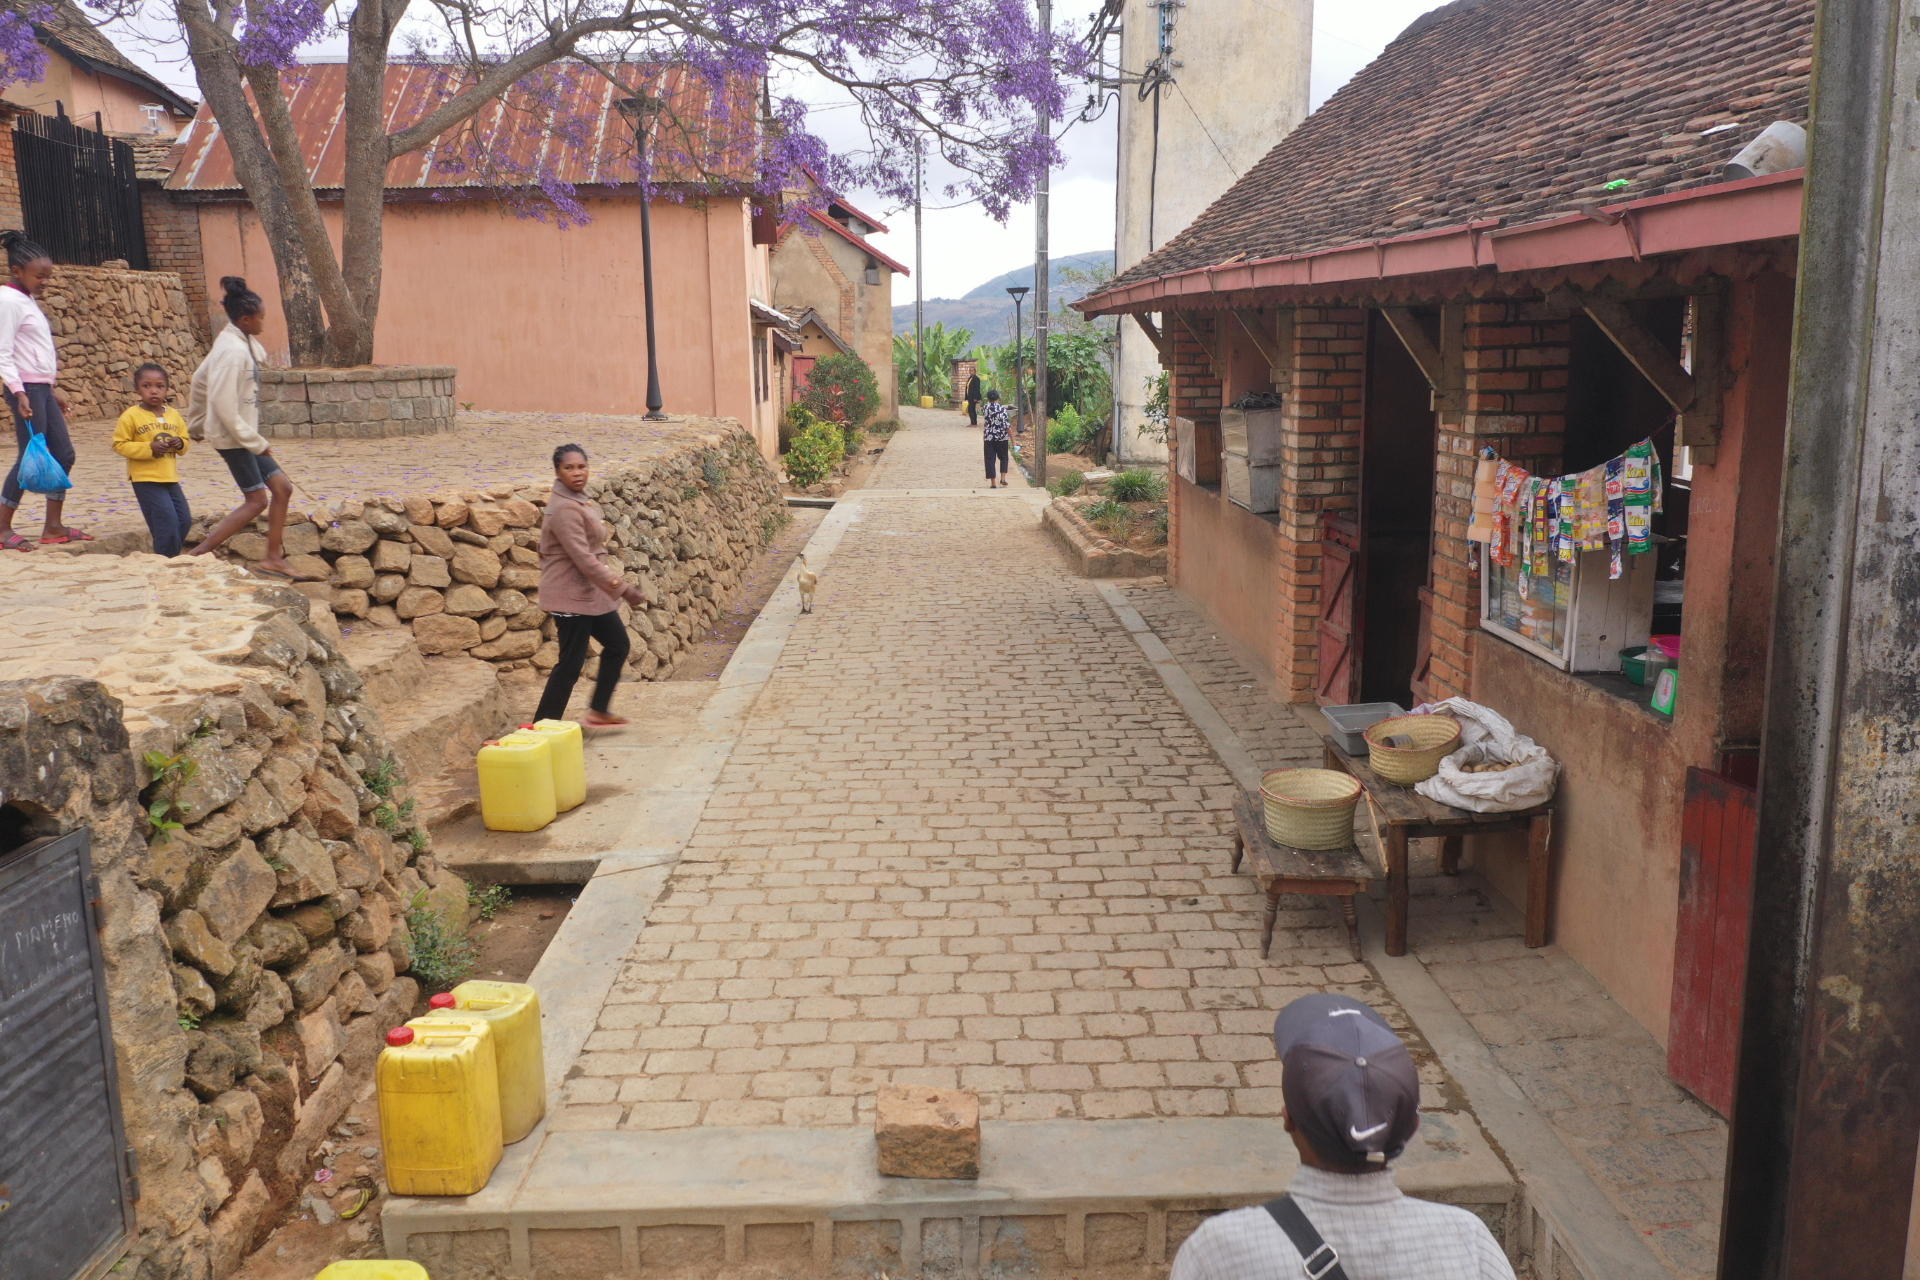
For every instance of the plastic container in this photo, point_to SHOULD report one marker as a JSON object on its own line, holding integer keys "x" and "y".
{"x": 1657, "y": 661}
{"x": 512, "y": 1009}
{"x": 1633, "y": 663}
{"x": 373, "y": 1269}
{"x": 516, "y": 783}
{"x": 1666, "y": 691}
{"x": 1351, "y": 722}
{"x": 1669, "y": 645}
{"x": 439, "y": 1089}
{"x": 569, "y": 759}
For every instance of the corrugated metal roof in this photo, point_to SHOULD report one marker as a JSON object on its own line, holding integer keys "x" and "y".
{"x": 513, "y": 139}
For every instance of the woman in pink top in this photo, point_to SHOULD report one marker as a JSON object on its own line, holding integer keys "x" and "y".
{"x": 27, "y": 368}
{"x": 581, "y": 592}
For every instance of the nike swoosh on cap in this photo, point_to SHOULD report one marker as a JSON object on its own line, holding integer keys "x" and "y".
{"x": 1361, "y": 1135}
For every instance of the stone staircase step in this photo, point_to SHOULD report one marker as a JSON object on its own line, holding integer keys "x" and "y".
{"x": 437, "y": 711}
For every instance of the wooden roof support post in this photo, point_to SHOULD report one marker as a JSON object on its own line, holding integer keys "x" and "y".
{"x": 1449, "y": 397}
{"x": 1413, "y": 336}
{"x": 1646, "y": 352}
{"x": 1698, "y": 426}
{"x": 1158, "y": 339}
{"x": 1283, "y": 350}
{"x": 1209, "y": 343}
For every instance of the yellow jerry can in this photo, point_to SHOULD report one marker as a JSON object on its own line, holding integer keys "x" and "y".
{"x": 569, "y": 759}
{"x": 516, "y": 783}
{"x": 439, "y": 1089}
{"x": 373, "y": 1269}
{"x": 512, "y": 1009}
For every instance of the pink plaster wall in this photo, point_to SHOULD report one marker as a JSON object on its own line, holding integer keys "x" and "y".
{"x": 84, "y": 92}
{"x": 1229, "y": 568}
{"x": 542, "y": 319}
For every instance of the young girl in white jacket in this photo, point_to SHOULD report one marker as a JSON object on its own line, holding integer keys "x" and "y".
{"x": 28, "y": 367}
{"x": 224, "y": 410}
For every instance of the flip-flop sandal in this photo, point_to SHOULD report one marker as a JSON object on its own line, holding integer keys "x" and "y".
{"x": 14, "y": 542}
{"x": 277, "y": 575}
{"x": 71, "y": 535}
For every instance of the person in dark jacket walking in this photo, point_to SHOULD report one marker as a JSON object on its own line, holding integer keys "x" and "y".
{"x": 973, "y": 400}
{"x": 582, "y": 592}
{"x": 994, "y": 436}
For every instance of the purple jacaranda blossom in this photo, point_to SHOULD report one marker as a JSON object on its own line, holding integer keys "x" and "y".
{"x": 22, "y": 56}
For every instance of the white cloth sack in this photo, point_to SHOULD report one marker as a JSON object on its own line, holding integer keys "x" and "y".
{"x": 1486, "y": 735}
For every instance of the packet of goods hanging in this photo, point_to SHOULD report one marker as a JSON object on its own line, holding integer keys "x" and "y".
{"x": 1486, "y": 497}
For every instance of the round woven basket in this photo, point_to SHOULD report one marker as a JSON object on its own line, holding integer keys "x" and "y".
{"x": 1310, "y": 808}
{"x": 1433, "y": 738}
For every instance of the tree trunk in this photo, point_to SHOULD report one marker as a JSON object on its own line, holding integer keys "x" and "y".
{"x": 368, "y": 153}
{"x": 218, "y": 68}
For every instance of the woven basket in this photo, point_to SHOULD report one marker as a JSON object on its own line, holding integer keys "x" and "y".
{"x": 1433, "y": 737}
{"x": 1310, "y": 808}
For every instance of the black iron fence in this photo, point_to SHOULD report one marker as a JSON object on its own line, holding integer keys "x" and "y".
{"x": 78, "y": 193}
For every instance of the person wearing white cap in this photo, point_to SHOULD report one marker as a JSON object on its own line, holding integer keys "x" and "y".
{"x": 1351, "y": 1103}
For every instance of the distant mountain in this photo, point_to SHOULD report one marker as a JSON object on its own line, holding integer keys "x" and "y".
{"x": 987, "y": 310}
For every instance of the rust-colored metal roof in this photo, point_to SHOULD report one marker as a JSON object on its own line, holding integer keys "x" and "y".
{"x": 509, "y": 142}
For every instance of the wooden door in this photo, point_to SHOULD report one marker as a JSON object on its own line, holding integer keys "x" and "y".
{"x": 1342, "y": 580}
{"x": 802, "y": 370}
{"x": 1710, "y": 955}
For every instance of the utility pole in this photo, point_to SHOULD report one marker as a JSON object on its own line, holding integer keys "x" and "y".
{"x": 919, "y": 277}
{"x": 1041, "y": 271}
{"x": 1017, "y": 292}
{"x": 1820, "y": 1161}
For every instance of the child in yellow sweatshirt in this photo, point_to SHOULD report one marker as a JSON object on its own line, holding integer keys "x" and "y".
{"x": 150, "y": 436}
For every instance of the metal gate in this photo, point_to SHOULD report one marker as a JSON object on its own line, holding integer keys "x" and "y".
{"x": 65, "y": 1183}
{"x": 79, "y": 196}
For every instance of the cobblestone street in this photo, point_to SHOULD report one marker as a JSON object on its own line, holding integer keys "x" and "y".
{"x": 967, "y": 839}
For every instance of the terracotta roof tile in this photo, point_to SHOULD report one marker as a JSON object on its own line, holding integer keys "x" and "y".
{"x": 1513, "y": 109}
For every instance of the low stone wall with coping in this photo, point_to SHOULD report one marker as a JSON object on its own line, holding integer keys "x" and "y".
{"x": 362, "y": 403}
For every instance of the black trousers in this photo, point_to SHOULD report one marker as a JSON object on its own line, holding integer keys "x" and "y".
{"x": 996, "y": 449}
{"x": 164, "y": 505}
{"x": 973, "y": 413}
{"x": 575, "y": 631}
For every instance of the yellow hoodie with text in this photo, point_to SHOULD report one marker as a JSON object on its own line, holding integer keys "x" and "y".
{"x": 133, "y": 440}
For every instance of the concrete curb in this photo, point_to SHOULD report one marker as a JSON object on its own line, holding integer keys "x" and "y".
{"x": 1568, "y": 1225}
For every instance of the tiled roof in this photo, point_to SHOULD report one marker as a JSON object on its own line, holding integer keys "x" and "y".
{"x": 150, "y": 155}
{"x": 859, "y": 241}
{"x": 1512, "y": 110}
{"x": 68, "y": 25}
{"x": 515, "y": 133}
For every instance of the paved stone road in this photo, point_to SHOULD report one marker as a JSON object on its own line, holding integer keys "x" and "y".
{"x": 966, "y": 839}
{"x": 1593, "y": 1072}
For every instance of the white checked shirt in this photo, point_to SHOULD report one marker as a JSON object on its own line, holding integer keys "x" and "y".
{"x": 1378, "y": 1233}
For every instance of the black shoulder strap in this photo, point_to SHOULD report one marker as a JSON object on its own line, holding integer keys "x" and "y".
{"x": 1319, "y": 1260}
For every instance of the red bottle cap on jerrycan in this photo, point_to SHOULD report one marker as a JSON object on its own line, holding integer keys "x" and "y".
{"x": 444, "y": 1000}
{"x": 400, "y": 1036}
{"x": 526, "y": 726}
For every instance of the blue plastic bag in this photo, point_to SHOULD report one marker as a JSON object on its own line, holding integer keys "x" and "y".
{"x": 39, "y": 473}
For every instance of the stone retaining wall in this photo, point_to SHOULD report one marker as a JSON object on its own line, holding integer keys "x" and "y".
{"x": 253, "y": 954}
{"x": 363, "y": 403}
{"x": 462, "y": 569}
{"x": 107, "y": 321}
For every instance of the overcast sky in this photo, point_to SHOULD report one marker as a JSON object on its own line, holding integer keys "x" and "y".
{"x": 963, "y": 247}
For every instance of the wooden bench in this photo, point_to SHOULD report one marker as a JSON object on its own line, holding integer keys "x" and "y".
{"x": 1408, "y": 815}
{"x": 1281, "y": 869}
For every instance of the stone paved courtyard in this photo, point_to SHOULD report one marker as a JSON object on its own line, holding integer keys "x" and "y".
{"x": 966, "y": 839}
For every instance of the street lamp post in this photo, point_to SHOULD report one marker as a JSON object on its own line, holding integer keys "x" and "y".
{"x": 640, "y": 110}
{"x": 1018, "y": 291}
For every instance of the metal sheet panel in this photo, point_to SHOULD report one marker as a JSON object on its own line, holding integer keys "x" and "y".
{"x": 61, "y": 1143}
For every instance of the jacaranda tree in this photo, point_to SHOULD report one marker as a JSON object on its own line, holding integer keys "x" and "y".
{"x": 964, "y": 77}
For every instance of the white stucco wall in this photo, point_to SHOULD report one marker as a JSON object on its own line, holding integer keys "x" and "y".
{"x": 1242, "y": 86}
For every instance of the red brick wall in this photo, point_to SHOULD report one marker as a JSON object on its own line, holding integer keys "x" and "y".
{"x": 173, "y": 244}
{"x": 10, "y": 215}
{"x": 1516, "y": 379}
{"x": 1195, "y": 390}
{"x": 1321, "y": 448}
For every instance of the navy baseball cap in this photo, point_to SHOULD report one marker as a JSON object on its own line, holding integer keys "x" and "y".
{"x": 1349, "y": 1083}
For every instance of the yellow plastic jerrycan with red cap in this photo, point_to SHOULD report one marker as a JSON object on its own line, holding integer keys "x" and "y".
{"x": 512, "y": 1009}
{"x": 373, "y": 1269}
{"x": 516, "y": 783}
{"x": 569, "y": 759}
{"x": 439, "y": 1091}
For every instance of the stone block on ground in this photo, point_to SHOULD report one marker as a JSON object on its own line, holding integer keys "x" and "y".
{"x": 924, "y": 1132}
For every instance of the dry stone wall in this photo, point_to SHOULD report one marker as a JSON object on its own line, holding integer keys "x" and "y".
{"x": 107, "y": 321}
{"x": 461, "y": 570}
{"x": 357, "y": 404}
{"x": 256, "y": 955}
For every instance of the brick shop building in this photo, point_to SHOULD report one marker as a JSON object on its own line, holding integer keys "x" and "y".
{"x": 1517, "y": 233}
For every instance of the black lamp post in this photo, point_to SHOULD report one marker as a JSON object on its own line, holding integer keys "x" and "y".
{"x": 1018, "y": 291}
{"x": 640, "y": 110}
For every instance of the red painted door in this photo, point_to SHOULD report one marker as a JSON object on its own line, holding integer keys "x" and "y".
{"x": 802, "y": 370}
{"x": 1342, "y": 571}
{"x": 1710, "y": 955}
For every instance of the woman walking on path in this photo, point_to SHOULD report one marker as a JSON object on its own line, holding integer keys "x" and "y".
{"x": 994, "y": 436}
{"x": 581, "y": 591}
{"x": 28, "y": 367}
{"x": 224, "y": 410}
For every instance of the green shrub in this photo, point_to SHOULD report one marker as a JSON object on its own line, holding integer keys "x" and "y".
{"x": 1068, "y": 431}
{"x": 815, "y": 453}
{"x": 1137, "y": 485}
{"x": 491, "y": 900}
{"x": 1102, "y": 510}
{"x": 843, "y": 389}
{"x": 1160, "y": 527}
{"x": 442, "y": 954}
{"x": 1069, "y": 483}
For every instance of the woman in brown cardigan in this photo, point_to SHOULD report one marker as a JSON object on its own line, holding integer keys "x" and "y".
{"x": 581, "y": 591}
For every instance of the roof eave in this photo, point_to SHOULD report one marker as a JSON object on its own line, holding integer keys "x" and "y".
{"x": 851, "y": 238}
{"x": 1762, "y": 208}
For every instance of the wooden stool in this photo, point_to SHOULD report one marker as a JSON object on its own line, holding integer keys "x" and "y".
{"x": 1281, "y": 868}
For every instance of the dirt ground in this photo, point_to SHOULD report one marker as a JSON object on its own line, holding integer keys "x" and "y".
{"x": 311, "y": 1234}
